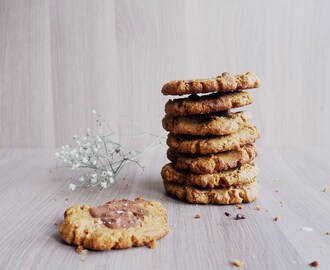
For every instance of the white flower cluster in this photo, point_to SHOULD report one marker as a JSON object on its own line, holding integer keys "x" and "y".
{"x": 102, "y": 157}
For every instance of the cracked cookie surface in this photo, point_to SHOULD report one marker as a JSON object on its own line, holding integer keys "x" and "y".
{"x": 224, "y": 83}
{"x": 211, "y": 163}
{"x": 239, "y": 176}
{"x": 195, "y": 104}
{"x": 115, "y": 225}
{"x": 206, "y": 124}
{"x": 231, "y": 195}
{"x": 213, "y": 144}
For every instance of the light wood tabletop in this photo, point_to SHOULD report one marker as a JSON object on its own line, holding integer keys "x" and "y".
{"x": 292, "y": 181}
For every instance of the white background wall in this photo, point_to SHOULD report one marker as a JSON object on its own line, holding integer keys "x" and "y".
{"x": 61, "y": 59}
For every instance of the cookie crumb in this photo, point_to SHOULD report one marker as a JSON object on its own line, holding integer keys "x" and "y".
{"x": 325, "y": 189}
{"x": 276, "y": 190}
{"x": 55, "y": 223}
{"x": 198, "y": 216}
{"x": 277, "y": 218}
{"x": 80, "y": 249}
{"x": 227, "y": 214}
{"x": 238, "y": 263}
{"x": 314, "y": 264}
{"x": 152, "y": 244}
{"x": 258, "y": 208}
{"x": 240, "y": 207}
{"x": 327, "y": 233}
{"x": 238, "y": 217}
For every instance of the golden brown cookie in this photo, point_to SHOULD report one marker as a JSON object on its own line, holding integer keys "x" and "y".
{"x": 213, "y": 144}
{"x": 211, "y": 163}
{"x": 224, "y": 83}
{"x": 207, "y": 124}
{"x": 115, "y": 225}
{"x": 239, "y": 176}
{"x": 207, "y": 104}
{"x": 231, "y": 195}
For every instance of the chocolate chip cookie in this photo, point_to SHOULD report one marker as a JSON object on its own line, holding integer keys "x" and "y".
{"x": 207, "y": 104}
{"x": 213, "y": 144}
{"x": 224, "y": 83}
{"x": 239, "y": 176}
{"x": 232, "y": 195}
{"x": 207, "y": 124}
{"x": 202, "y": 164}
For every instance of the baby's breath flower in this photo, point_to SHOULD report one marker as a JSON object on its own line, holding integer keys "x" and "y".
{"x": 99, "y": 155}
{"x": 103, "y": 184}
{"x": 72, "y": 187}
{"x": 93, "y": 178}
{"x": 75, "y": 165}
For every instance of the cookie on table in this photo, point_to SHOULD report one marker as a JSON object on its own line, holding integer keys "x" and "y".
{"x": 207, "y": 124}
{"x": 239, "y": 176}
{"x": 214, "y": 144}
{"x": 232, "y": 195}
{"x": 195, "y": 104}
{"x": 211, "y": 163}
{"x": 115, "y": 225}
{"x": 224, "y": 83}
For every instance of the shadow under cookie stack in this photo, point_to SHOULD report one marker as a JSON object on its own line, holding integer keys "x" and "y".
{"x": 210, "y": 147}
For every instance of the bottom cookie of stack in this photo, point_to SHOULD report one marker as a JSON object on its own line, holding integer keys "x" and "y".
{"x": 231, "y": 195}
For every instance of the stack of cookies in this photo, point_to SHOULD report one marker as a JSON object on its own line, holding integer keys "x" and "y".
{"x": 210, "y": 145}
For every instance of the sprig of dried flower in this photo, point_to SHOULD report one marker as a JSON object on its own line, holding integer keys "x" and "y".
{"x": 100, "y": 154}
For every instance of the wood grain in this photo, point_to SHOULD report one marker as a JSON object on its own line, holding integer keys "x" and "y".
{"x": 61, "y": 59}
{"x": 34, "y": 196}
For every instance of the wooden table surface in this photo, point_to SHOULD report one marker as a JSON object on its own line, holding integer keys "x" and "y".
{"x": 34, "y": 196}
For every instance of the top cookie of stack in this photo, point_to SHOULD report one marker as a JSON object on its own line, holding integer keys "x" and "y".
{"x": 209, "y": 145}
{"x": 224, "y": 83}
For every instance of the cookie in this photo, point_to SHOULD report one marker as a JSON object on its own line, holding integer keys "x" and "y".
{"x": 239, "y": 176}
{"x": 224, "y": 83}
{"x": 231, "y": 195}
{"x": 203, "y": 164}
{"x": 207, "y": 124}
{"x": 207, "y": 104}
{"x": 213, "y": 144}
{"x": 115, "y": 225}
